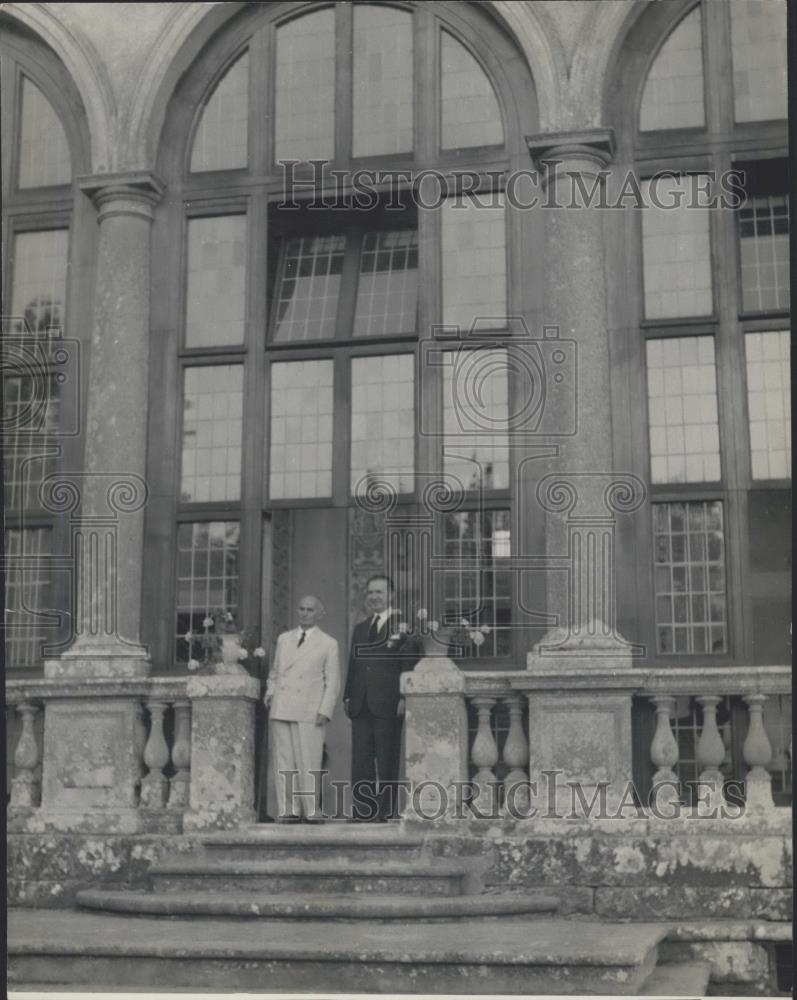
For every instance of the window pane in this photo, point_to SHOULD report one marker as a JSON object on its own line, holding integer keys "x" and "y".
{"x": 215, "y": 297}
{"x": 221, "y": 136}
{"x": 28, "y": 595}
{"x": 387, "y": 290}
{"x": 689, "y": 553}
{"x": 673, "y": 94}
{"x": 476, "y": 418}
{"x": 676, "y": 250}
{"x": 39, "y": 288}
{"x": 758, "y": 44}
{"x": 301, "y": 429}
{"x": 382, "y": 80}
{"x": 212, "y": 427}
{"x": 769, "y": 403}
{"x": 770, "y": 574}
{"x": 30, "y": 426}
{"x": 682, "y": 410}
{"x": 474, "y": 261}
{"x": 43, "y": 150}
{"x": 207, "y": 576}
{"x": 469, "y": 110}
{"x": 764, "y": 252}
{"x": 383, "y": 421}
{"x": 309, "y": 285}
{"x": 474, "y": 585}
{"x": 305, "y": 104}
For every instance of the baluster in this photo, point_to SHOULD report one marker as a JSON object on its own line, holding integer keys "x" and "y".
{"x": 780, "y": 761}
{"x": 139, "y": 742}
{"x": 155, "y": 785}
{"x": 516, "y": 756}
{"x": 710, "y": 753}
{"x": 181, "y": 756}
{"x": 757, "y": 752}
{"x": 484, "y": 754}
{"x": 25, "y": 788}
{"x": 664, "y": 754}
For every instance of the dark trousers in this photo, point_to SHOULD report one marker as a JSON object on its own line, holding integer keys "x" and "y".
{"x": 375, "y": 746}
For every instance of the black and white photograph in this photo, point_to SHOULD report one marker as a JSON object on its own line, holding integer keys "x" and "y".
{"x": 397, "y": 497}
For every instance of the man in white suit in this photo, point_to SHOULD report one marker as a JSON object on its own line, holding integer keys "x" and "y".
{"x": 301, "y": 692}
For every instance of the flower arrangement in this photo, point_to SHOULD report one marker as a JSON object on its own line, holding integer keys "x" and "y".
{"x": 222, "y": 642}
{"x": 456, "y": 635}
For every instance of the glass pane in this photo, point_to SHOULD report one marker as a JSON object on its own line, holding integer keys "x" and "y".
{"x": 476, "y": 419}
{"x": 474, "y": 261}
{"x": 305, "y": 103}
{"x": 676, "y": 249}
{"x": 682, "y": 410}
{"x": 38, "y": 293}
{"x": 673, "y": 94}
{"x": 474, "y": 586}
{"x": 387, "y": 291}
{"x": 308, "y": 289}
{"x": 764, "y": 251}
{"x": 469, "y": 111}
{"x": 769, "y": 403}
{"x": 212, "y": 427}
{"x": 683, "y": 610}
{"x": 215, "y": 297}
{"x": 383, "y": 421}
{"x": 758, "y": 44}
{"x": 301, "y": 429}
{"x": 43, "y": 150}
{"x": 382, "y": 80}
{"x": 28, "y": 594}
{"x": 204, "y": 583}
{"x": 30, "y": 426}
{"x": 221, "y": 136}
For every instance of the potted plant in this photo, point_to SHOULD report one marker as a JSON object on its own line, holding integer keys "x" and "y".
{"x": 222, "y": 646}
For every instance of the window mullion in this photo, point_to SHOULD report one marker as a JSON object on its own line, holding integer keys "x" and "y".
{"x": 347, "y": 301}
{"x": 262, "y": 60}
{"x": 717, "y": 69}
{"x": 344, "y": 46}
{"x": 341, "y": 435}
{"x": 426, "y": 84}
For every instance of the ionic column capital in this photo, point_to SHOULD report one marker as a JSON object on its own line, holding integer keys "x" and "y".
{"x": 585, "y": 151}
{"x": 135, "y": 193}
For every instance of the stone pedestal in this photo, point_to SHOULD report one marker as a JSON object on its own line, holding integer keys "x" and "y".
{"x": 222, "y": 752}
{"x": 436, "y": 736}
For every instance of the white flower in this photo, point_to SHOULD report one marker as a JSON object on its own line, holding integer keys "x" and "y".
{"x": 464, "y": 621}
{"x": 434, "y": 626}
{"x": 484, "y": 629}
{"x": 207, "y": 622}
{"x": 242, "y": 654}
{"x": 259, "y": 651}
{"x": 193, "y": 664}
{"x": 478, "y": 638}
{"x": 395, "y": 637}
{"x": 189, "y": 637}
{"x": 422, "y": 615}
{"x": 403, "y": 627}
{"x": 228, "y": 616}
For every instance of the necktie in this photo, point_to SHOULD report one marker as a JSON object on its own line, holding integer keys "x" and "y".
{"x": 301, "y": 638}
{"x": 373, "y": 631}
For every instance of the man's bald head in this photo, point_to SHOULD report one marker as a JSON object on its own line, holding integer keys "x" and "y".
{"x": 310, "y": 610}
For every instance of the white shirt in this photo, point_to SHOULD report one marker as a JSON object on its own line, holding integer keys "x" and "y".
{"x": 382, "y": 617}
{"x": 306, "y": 631}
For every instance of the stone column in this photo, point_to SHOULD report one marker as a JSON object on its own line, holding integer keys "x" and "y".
{"x": 436, "y": 737}
{"x": 111, "y": 488}
{"x": 579, "y": 511}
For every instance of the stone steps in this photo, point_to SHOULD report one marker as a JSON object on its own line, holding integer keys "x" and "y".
{"x": 521, "y": 957}
{"x": 678, "y": 979}
{"x": 342, "y": 842}
{"x": 309, "y": 907}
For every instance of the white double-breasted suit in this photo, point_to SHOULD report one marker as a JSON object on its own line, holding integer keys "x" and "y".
{"x": 303, "y": 683}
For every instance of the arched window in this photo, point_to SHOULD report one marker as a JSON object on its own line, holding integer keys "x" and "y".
{"x": 44, "y": 146}
{"x": 292, "y": 296}
{"x": 711, "y": 315}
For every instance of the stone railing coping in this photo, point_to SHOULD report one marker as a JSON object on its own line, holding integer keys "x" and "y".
{"x": 697, "y": 680}
{"x": 43, "y": 689}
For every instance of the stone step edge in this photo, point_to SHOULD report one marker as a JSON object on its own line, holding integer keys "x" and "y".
{"x": 350, "y": 835}
{"x": 332, "y": 868}
{"x": 282, "y": 905}
{"x": 677, "y": 979}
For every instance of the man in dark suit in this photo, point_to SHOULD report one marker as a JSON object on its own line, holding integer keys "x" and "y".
{"x": 381, "y": 650}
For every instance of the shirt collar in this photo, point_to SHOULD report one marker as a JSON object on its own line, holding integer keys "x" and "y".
{"x": 383, "y": 616}
{"x": 307, "y": 631}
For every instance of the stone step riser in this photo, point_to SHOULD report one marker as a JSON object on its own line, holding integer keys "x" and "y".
{"x": 312, "y": 884}
{"x": 359, "y": 855}
{"x": 355, "y": 975}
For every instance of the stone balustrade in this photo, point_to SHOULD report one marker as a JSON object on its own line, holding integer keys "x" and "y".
{"x": 130, "y": 755}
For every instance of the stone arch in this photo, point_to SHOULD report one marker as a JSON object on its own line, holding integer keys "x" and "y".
{"x": 192, "y": 25}
{"x": 87, "y": 70}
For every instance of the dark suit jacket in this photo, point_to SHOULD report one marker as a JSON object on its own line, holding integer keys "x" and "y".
{"x": 374, "y": 669}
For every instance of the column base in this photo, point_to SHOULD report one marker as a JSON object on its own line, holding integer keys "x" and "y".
{"x": 100, "y": 659}
{"x": 590, "y": 644}
{"x": 77, "y": 821}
